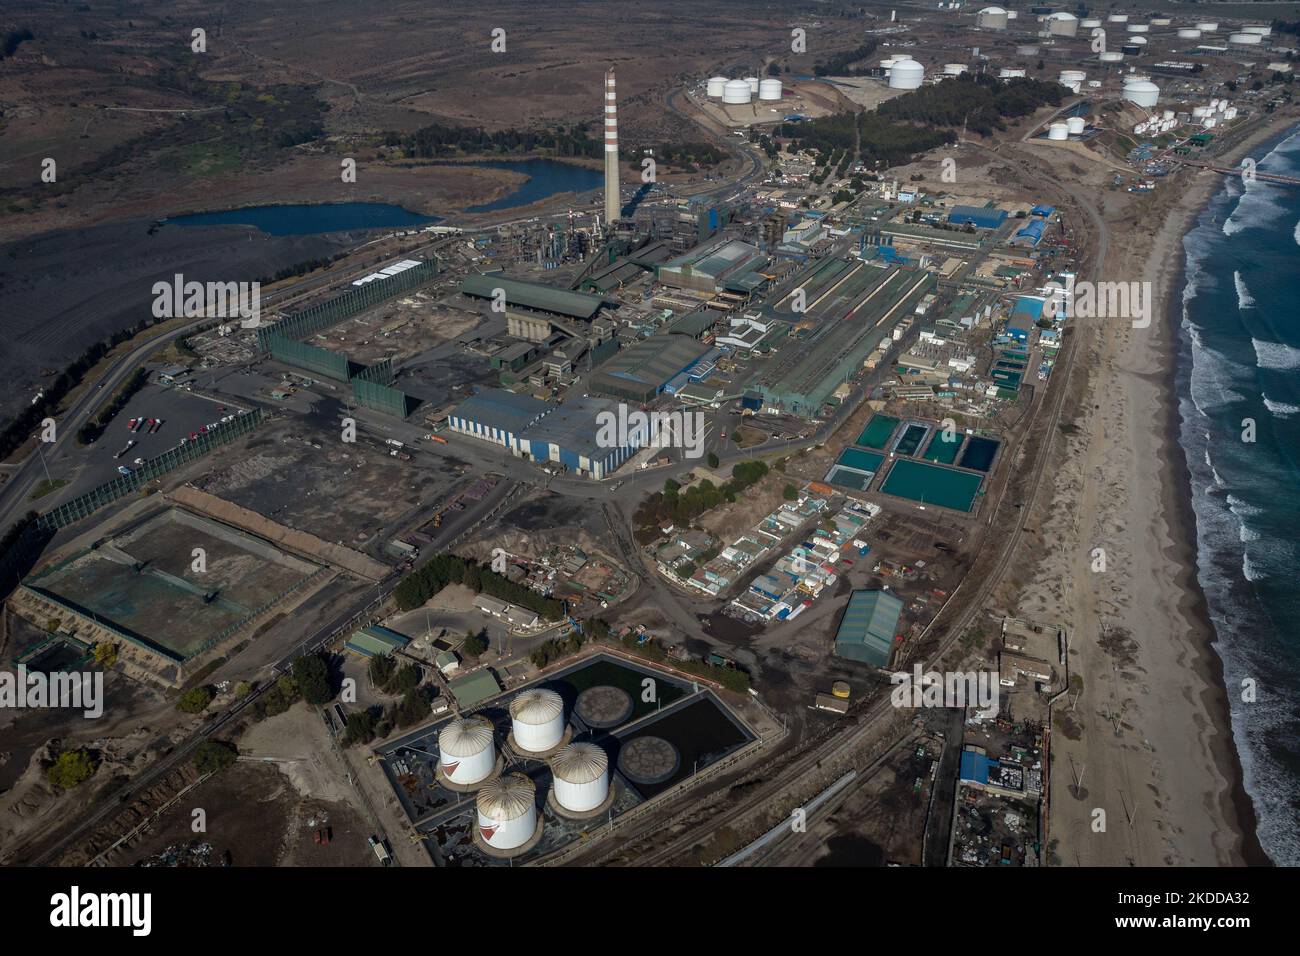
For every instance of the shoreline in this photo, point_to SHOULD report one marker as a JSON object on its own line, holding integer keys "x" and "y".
{"x": 1177, "y": 500}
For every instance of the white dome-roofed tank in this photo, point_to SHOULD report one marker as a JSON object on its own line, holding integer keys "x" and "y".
{"x": 1058, "y": 131}
{"x": 581, "y": 777}
{"x": 991, "y": 18}
{"x": 1189, "y": 33}
{"x": 466, "y": 754}
{"x": 769, "y": 89}
{"x": 537, "y": 720}
{"x": 736, "y": 92}
{"x": 954, "y": 69}
{"x": 906, "y": 75}
{"x": 716, "y": 86}
{"x": 1142, "y": 92}
{"x": 507, "y": 812}
{"x": 1075, "y": 125}
{"x": 1207, "y": 26}
{"x": 753, "y": 84}
{"x": 1062, "y": 24}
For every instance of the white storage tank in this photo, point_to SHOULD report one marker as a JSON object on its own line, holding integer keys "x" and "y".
{"x": 1067, "y": 77}
{"x": 1091, "y": 23}
{"x": 991, "y": 18}
{"x": 1160, "y": 21}
{"x": 1110, "y": 56}
{"x": 1189, "y": 33}
{"x": 1142, "y": 92}
{"x": 1167, "y": 115}
{"x": 1075, "y": 125}
{"x": 1261, "y": 30}
{"x": 1200, "y": 112}
{"x": 954, "y": 69}
{"x": 507, "y": 812}
{"x": 466, "y": 754}
{"x": 1230, "y": 113}
{"x": 716, "y": 85}
{"x": 1063, "y": 24}
{"x": 1117, "y": 18}
{"x": 581, "y": 775}
{"x": 1028, "y": 49}
{"x": 769, "y": 89}
{"x": 1245, "y": 39}
{"x": 906, "y": 75}
{"x": 537, "y": 720}
{"x": 736, "y": 92}
{"x": 1058, "y": 131}
{"x": 1010, "y": 73}
{"x": 1138, "y": 28}
{"x": 753, "y": 84}
{"x": 1012, "y": 15}
{"x": 1208, "y": 26}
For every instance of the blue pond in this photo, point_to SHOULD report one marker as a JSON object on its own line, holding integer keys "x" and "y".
{"x": 546, "y": 177}
{"x": 305, "y": 220}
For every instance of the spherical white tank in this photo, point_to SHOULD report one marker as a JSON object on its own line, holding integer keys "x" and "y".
{"x": 507, "y": 811}
{"x": 736, "y": 92}
{"x": 537, "y": 720}
{"x": 1075, "y": 125}
{"x": 769, "y": 89}
{"x": 716, "y": 85}
{"x": 991, "y": 18}
{"x": 906, "y": 75}
{"x": 1058, "y": 131}
{"x": 581, "y": 775}
{"x": 1142, "y": 92}
{"x": 1189, "y": 33}
{"x": 466, "y": 753}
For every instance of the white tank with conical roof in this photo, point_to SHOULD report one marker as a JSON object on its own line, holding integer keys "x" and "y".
{"x": 581, "y": 776}
{"x": 1142, "y": 92}
{"x": 906, "y": 75}
{"x": 1058, "y": 131}
{"x": 507, "y": 811}
{"x": 753, "y": 84}
{"x": 715, "y": 86}
{"x": 736, "y": 92}
{"x": 769, "y": 89}
{"x": 1075, "y": 125}
{"x": 537, "y": 720}
{"x": 466, "y": 754}
{"x": 1062, "y": 24}
{"x": 1207, "y": 26}
{"x": 991, "y": 18}
{"x": 1189, "y": 33}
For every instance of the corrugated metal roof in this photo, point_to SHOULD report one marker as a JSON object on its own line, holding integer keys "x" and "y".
{"x": 497, "y": 408}
{"x": 474, "y": 688}
{"x": 374, "y": 641}
{"x": 533, "y": 295}
{"x": 867, "y": 630}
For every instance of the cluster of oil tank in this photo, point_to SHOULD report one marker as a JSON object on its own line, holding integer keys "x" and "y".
{"x": 738, "y": 92}
{"x": 507, "y": 805}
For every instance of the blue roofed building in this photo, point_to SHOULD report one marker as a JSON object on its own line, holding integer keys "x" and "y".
{"x": 497, "y": 416}
{"x": 376, "y": 641}
{"x": 985, "y": 217}
{"x": 868, "y": 628}
{"x": 1030, "y": 234}
{"x": 1044, "y": 211}
{"x": 975, "y": 766}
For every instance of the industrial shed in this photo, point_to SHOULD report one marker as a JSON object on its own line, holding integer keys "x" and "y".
{"x": 534, "y": 297}
{"x": 376, "y": 641}
{"x": 868, "y": 628}
{"x": 639, "y": 372}
{"x": 985, "y": 217}
{"x": 495, "y": 415}
{"x": 571, "y": 436}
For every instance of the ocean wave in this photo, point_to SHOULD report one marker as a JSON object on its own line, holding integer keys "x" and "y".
{"x": 1213, "y": 375}
{"x": 1280, "y": 409}
{"x": 1259, "y": 204}
{"x": 1296, "y": 234}
{"x": 1244, "y": 299}
{"x": 1275, "y": 356}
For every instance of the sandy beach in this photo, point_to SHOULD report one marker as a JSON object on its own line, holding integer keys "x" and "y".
{"x": 1144, "y": 770}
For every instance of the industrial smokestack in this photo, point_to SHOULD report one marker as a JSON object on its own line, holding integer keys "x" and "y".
{"x": 612, "y": 205}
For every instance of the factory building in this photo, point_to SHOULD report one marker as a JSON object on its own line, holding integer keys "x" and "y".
{"x": 981, "y": 216}
{"x": 641, "y": 371}
{"x": 571, "y": 436}
{"x": 710, "y": 267}
{"x": 495, "y": 415}
{"x": 867, "y": 630}
{"x": 533, "y": 297}
{"x": 376, "y": 641}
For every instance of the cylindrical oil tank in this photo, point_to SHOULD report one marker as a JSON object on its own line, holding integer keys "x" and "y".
{"x": 991, "y": 18}
{"x": 1058, "y": 131}
{"x": 716, "y": 85}
{"x": 1010, "y": 73}
{"x": 1130, "y": 49}
{"x": 1230, "y": 113}
{"x": 1012, "y": 15}
{"x": 466, "y": 753}
{"x": 1067, "y": 77}
{"x": 1167, "y": 115}
{"x": 1207, "y": 26}
{"x": 736, "y": 92}
{"x": 1091, "y": 23}
{"x": 1245, "y": 39}
{"x": 1189, "y": 33}
{"x": 507, "y": 811}
{"x": 1160, "y": 21}
{"x": 1138, "y": 28}
{"x": 537, "y": 720}
{"x": 753, "y": 84}
{"x": 1142, "y": 92}
{"x": 1075, "y": 125}
{"x": 1117, "y": 18}
{"x": 1261, "y": 30}
{"x": 1027, "y": 49}
{"x": 581, "y": 775}
{"x": 1110, "y": 56}
{"x": 1200, "y": 112}
{"x": 906, "y": 75}
{"x": 769, "y": 89}
{"x": 1063, "y": 24}
{"x": 954, "y": 69}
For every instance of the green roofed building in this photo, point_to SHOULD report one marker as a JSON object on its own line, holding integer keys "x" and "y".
{"x": 868, "y": 628}
{"x": 376, "y": 641}
{"x": 639, "y": 372}
{"x": 534, "y": 297}
{"x": 472, "y": 689}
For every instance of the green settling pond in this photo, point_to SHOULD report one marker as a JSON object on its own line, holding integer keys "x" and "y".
{"x": 878, "y": 431}
{"x": 941, "y": 450}
{"x": 859, "y": 459}
{"x": 932, "y": 484}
